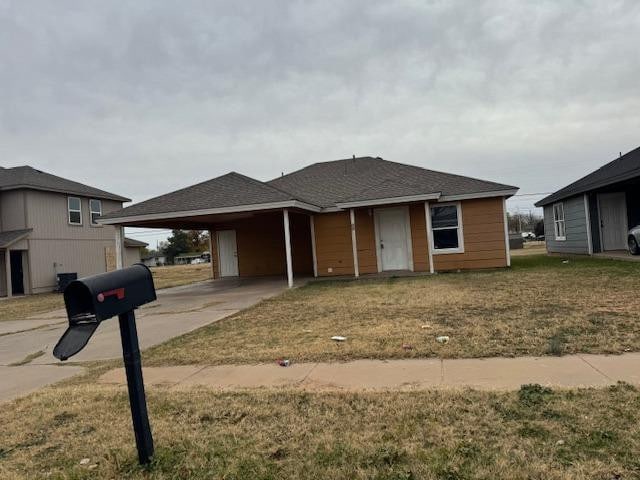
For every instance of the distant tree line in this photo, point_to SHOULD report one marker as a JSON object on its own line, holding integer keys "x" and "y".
{"x": 526, "y": 222}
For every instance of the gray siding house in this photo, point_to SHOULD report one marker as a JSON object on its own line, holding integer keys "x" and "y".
{"x": 595, "y": 213}
{"x": 48, "y": 225}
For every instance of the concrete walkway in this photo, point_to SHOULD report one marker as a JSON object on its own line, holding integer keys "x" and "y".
{"x": 177, "y": 311}
{"x": 485, "y": 374}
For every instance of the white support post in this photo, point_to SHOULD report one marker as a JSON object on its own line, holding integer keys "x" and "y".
{"x": 287, "y": 246}
{"x": 7, "y": 266}
{"x": 354, "y": 243}
{"x": 427, "y": 219}
{"x": 119, "y": 247}
{"x": 313, "y": 245}
{"x": 506, "y": 231}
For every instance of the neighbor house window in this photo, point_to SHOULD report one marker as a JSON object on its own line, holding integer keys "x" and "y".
{"x": 446, "y": 226}
{"x": 75, "y": 210}
{"x": 558, "y": 221}
{"x": 95, "y": 208}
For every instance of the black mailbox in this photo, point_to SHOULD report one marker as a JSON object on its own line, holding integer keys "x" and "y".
{"x": 92, "y": 300}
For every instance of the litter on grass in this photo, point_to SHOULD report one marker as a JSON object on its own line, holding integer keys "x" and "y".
{"x": 284, "y": 362}
{"x": 338, "y": 338}
{"x": 442, "y": 339}
{"x": 425, "y": 326}
{"x": 407, "y": 346}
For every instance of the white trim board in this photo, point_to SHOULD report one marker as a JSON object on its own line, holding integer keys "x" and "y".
{"x": 471, "y": 196}
{"x": 388, "y": 200}
{"x": 210, "y": 211}
{"x": 587, "y": 215}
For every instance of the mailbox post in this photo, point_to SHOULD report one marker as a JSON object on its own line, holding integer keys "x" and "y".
{"x": 91, "y": 300}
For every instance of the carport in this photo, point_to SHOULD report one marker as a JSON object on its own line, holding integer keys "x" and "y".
{"x": 255, "y": 230}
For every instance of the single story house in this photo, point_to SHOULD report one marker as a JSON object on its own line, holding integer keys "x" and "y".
{"x": 189, "y": 258}
{"x": 345, "y": 217}
{"x": 133, "y": 251}
{"x": 595, "y": 213}
{"x": 156, "y": 260}
{"x": 48, "y": 225}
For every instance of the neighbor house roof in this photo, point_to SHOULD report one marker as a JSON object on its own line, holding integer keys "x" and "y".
{"x": 623, "y": 168}
{"x": 321, "y": 186}
{"x": 130, "y": 242}
{"x": 12, "y": 236}
{"x": 28, "y": 177}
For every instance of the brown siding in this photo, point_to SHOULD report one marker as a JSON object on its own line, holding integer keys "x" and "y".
{"x": 366, "y": 241}
{"x": 484, "y": 244}
{"x": 261, "y": 249}
{"x": 333, "y": 244}
{"x": 418, "y": 224}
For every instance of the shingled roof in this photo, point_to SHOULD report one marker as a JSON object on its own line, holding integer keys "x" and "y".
{"x": 327, "y": 184}
{"x": 12, "y": 236}
{"x": 623, "y": 168}
{"x": 319, "y": 186}
{"x": 30, "y": 178}
{"x": 230, "y": 190}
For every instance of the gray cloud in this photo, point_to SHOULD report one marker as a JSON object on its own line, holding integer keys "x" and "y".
{"x": 143, "y": 97}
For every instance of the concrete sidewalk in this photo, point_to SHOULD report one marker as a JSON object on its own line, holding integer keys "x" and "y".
{"x": 485, "y": 374}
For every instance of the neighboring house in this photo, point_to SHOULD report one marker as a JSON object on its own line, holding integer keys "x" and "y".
{"x": 48, "y": 226}
{"x": 133, "y": 251}
{"x": 345, "y": 217}
{"x": 158, "y": 260}
{"x": 189, "y": 258}
{"x": 594, "y": 214}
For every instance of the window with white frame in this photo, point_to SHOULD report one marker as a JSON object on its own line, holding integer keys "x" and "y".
{"x": 75, "y": 210}
{"x": 558, "y": 221}
{"x": 446, "y": 227}
{"x": 95, "y": 209}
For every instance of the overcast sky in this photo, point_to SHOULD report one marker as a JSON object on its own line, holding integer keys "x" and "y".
{"x": 144, "y": 97}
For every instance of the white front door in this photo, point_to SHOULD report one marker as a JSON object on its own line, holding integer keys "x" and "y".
{"x": 613, "y": 220}
{"x": 228, "y": 253}
{"x": 393, "y": 238}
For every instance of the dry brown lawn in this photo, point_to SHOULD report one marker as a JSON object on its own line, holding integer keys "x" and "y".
{"x": 20, "y": 308}
{"x": 176, "y": 275}
{"x": 534, "y": 433}
{"x": 542, "y": 306}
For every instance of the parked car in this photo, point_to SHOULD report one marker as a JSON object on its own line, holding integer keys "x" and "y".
{"x": 634, "y": 240}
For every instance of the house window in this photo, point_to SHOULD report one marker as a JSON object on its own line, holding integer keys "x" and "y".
{"x": 75, "y": 210}
{"x": 558, "y": 221}
{"x": 95, "y": 208}
{"x": 446, "y": 227}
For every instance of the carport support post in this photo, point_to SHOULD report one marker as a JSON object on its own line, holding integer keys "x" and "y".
{"x": 287, "y": 246}
{"x": 7, "y": 268}
{"x": 137, "y": 399}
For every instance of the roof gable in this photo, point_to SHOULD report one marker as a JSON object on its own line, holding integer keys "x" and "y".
{"x": 623, "y": 168}
{"x": 30, "y": 178}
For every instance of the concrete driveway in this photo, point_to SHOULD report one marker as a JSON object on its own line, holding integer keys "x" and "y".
{"x": 177, "y": 311}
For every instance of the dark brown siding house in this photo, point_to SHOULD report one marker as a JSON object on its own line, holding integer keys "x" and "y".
{"x": 345, "y": 217}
